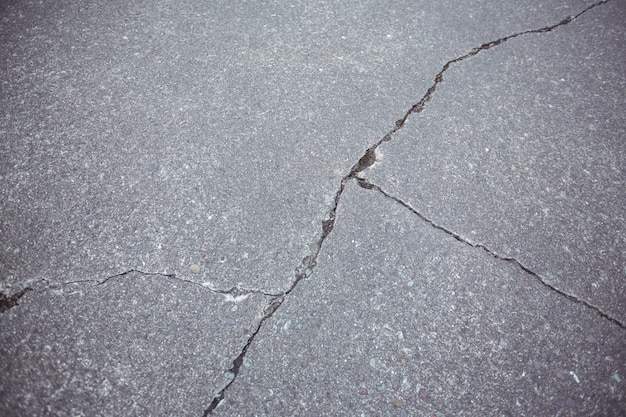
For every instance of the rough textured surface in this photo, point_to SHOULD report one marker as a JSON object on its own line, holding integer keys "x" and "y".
{"x": 135, "y": 135}
{"x": 182, "y": 231}
{"x": 133, "y": 345}
{"x": 523, "y": 152}
{"x": 445, "y": 329}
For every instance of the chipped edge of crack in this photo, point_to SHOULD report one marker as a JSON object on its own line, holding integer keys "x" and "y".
{"x": 364, "y": 183}
{"x": 8, "y": 302}
{"x": 234, "y": 293}
{"x": 308, "y": 263}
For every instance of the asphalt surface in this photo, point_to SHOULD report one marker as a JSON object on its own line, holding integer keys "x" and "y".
{"x": 313, "y": 209}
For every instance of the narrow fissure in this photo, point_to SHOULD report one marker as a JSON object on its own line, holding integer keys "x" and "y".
{"x": 369, "y": 186}
{"x": 309, "y": 262}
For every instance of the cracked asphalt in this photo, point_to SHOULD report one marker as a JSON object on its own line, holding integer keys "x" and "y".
{"x": 313, "y": 208}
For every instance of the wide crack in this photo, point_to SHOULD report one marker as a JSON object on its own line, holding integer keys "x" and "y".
{"x": 309, "y": 262}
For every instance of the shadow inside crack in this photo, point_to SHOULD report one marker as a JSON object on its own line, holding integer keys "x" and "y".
{"x": 8, "y": 302}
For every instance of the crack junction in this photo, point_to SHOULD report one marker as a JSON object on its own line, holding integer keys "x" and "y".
{"x": 309, "y": 262}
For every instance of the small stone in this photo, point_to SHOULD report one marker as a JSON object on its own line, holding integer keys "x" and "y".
{"x": 616, "y": 377}
{"x": 363, "y": 391}
{"x": 396, "y": 402}
{"x": 195, "y": 268}
{"x": 373, "y": 363}
{"x": 422, "y": 394}
{"x": 571, "y": 403}
{"x": 246, "y": 363}
{"x": 557, "y": 402}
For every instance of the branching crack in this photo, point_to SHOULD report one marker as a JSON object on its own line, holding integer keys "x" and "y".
{"x": 309, "y": 262}
{"x": 368, "y": 185}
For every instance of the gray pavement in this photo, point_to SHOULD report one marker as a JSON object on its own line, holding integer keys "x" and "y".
{"x": 356, "y": 208}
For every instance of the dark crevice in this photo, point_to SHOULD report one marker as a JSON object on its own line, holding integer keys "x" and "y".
{"x": 368, "y": 185}
{"x": 8, "y": 302}
{"x": 309, "y": 262}
{"x": 268, "y": 312}
{"x": 370, "y": 154}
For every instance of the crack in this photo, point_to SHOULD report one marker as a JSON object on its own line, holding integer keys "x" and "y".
{"x": 234, "y": 293}
{"x": 8, "y": 302}
{"x": 268, "y": 311}
{"x": 542, "y": 280}
{"x": 309, "y": 262}
{"x": 369, "y": 157}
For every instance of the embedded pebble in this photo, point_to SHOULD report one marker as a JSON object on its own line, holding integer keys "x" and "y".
{"x": 195, "y": 268}
{"x": 396, "y": 402}
{"x": 423, "y": 394}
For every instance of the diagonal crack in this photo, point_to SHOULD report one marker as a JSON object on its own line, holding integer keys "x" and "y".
{"x": 370, "y": 154}
{"x": 309, "y": 262}
{"x": 268, "y": 312}
{"x": 369, "y": 186}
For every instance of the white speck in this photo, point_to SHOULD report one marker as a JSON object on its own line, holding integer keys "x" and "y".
{"x": 574, "y": 376}
{"x": 617, "y": 377}
{"x": 236, "y": 298}
{"x": 287, "y": 325}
